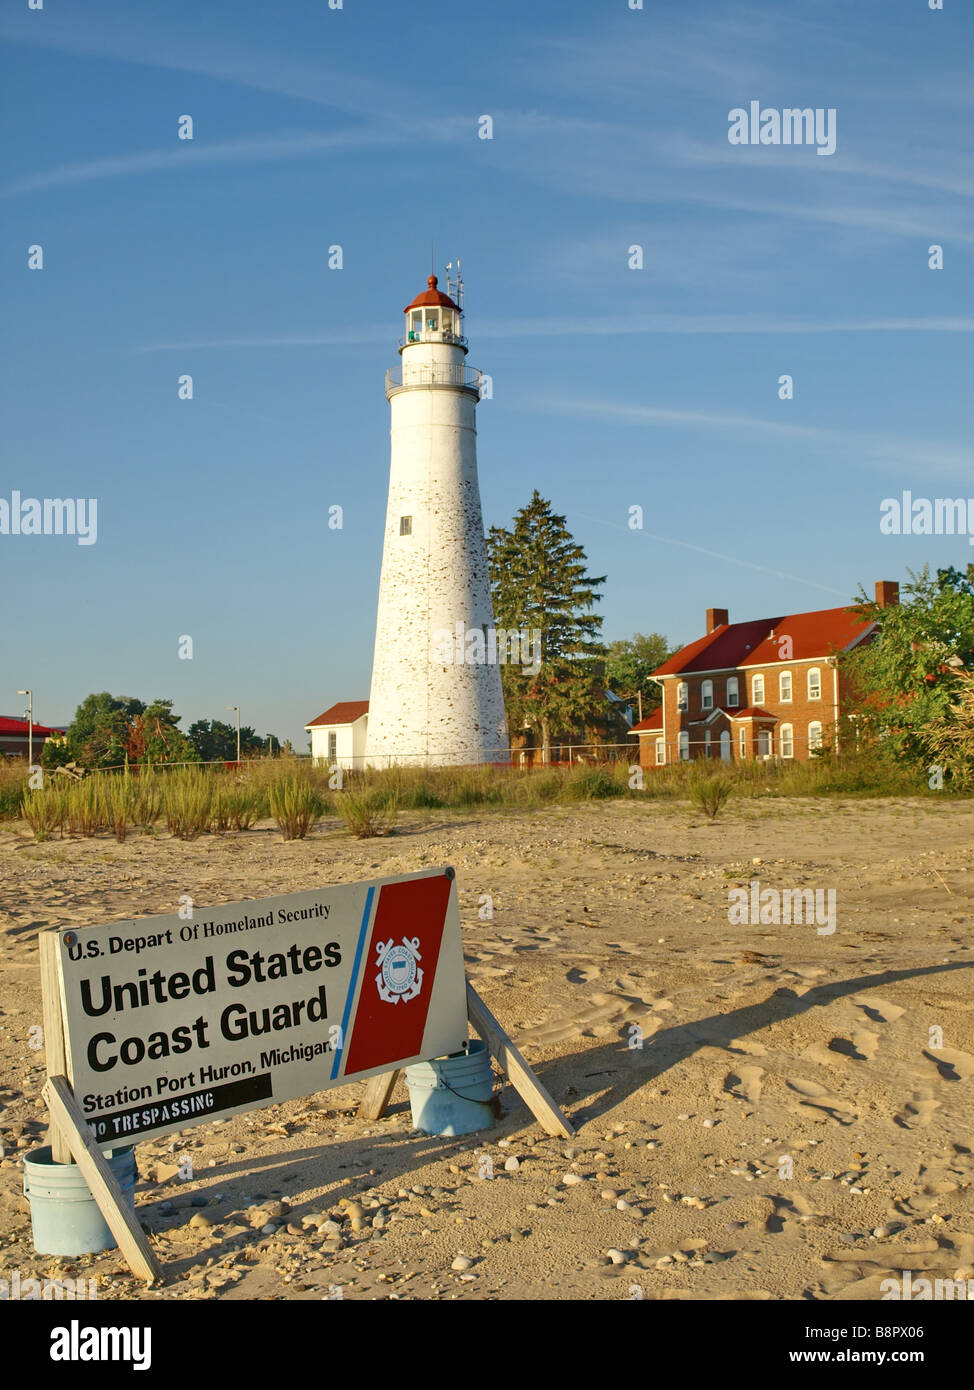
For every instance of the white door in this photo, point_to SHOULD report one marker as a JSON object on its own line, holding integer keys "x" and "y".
{"x": 725, "y": 746}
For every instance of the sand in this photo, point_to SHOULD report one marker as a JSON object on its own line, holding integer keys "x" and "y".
{"x": 792, "y": 1125}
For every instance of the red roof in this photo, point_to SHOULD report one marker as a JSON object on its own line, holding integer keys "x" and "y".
{"x": 345, "y": 712}
{"x": 753, "y": 712}
{"x": 651, "y": 722}
{"x": 9, "y": 725}
{"x": 431, "y": 296}
{"x": 811, "y": 635}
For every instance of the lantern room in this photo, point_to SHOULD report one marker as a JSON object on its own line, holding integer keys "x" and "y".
{"x": 433, "y": 317}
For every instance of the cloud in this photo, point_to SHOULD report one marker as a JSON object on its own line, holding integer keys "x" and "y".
{"x": 659, "y": 324}
{"x": 905, "y": 455}
{"x": 187, "y": 155}
{"x": 719, "y": 555}
{"x": 121, "y": 38}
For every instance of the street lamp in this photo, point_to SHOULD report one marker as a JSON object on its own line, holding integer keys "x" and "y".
{"x": 237, "y": 708}
{"x": 30, "y": 725}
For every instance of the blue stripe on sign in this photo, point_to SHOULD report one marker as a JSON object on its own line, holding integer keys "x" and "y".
{"x": 353, "y": 981}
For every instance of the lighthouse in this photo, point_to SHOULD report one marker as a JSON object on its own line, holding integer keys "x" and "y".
{"x": 436, "y": 695}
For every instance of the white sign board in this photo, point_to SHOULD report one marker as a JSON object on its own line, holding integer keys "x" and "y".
{"x": 173, "y": 1022}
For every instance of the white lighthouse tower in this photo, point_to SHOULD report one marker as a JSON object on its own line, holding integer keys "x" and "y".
{"x": 430, "y": 702}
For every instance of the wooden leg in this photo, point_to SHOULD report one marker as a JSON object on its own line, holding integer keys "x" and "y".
{"x": 378, "y": 1092}
{"x": 123, "y": 1223}
{"x": 54, "y": 1044}
{"x": 520, "y": 1075}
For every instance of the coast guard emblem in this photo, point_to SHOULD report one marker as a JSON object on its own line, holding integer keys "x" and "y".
{"x": 399, "y": 976}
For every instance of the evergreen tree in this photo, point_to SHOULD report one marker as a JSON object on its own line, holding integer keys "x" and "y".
{"x": 539, "y": 585}
{"x": 216, "y": 741}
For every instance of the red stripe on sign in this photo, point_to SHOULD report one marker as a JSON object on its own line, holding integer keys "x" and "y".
{"x": 394, "y": 1000}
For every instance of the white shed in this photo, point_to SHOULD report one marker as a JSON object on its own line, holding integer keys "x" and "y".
{"x": 338, "y": 735}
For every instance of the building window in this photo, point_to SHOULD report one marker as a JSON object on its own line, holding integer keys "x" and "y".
{"x": 405, "y": 526}
{"x": 684, "y": 745}
{"x": 815, "y": 684}
{"x": 332, "y": 746}
{"x": 707, "y": 695}
{"x": 725, "y": 746}
{"x": 706, "y": 744}
{"x": 787, "y": 741}
{"x": 764, "y": 743}
{"x": 742, "y": 742}
{"x": 814, "y": 735}
{"x": 682, "y": 695}
{"x": 784, "y": 687}
{"x": 660, "y": 752}
{"x": 757, "y": 690}
{"x": 732, "y": 690}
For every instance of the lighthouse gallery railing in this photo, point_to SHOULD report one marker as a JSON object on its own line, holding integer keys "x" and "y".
{"x": 434, "y": 374}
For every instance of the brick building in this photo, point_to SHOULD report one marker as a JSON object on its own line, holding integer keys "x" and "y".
{"x": 771, "y": 688}
{"x": 16, "y": 736}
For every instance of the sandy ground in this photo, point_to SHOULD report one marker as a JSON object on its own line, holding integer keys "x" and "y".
{"x": 788, "y": 1129}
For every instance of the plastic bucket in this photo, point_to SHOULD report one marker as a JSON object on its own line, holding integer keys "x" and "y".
{"x": 64, "y": 1216}
{"x": 452, "y": 1095}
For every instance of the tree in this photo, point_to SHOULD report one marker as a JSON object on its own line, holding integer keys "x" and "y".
{"x": 100, "y": 730}
{"x": 109, "y": 730}
{"x": 539, "y": 585}
{"x": 631, "y": 661}
{"x": 909, "y": 681}
{"x": 156, "y": 737}
{"x": 216, "y": 741}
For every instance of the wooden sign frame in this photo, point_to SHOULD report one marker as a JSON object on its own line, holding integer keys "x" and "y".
{"x": 72, "y": 1139}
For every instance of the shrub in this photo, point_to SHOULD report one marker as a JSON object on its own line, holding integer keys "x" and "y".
{"x": 368, "y": 813}
{"x": 148, "y": 803}
{"x": 187, "y": 800}
{"x": 82, "y": 807}
{"x": 708, "y": 794}
{"x": 117, "y": 802}
{"x": 13, "y": 785}
{"x": 295, "y": 805}
{"x": 593, "y": 783}
{"x": 43, "y": 810}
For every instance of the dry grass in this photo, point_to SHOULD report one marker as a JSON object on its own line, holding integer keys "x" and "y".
{"x": 195, "y": 800}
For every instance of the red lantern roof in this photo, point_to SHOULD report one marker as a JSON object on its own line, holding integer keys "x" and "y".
{"x": 431, "y": 296}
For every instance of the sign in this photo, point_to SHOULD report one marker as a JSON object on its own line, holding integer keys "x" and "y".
{"x": 172, "y": 1022}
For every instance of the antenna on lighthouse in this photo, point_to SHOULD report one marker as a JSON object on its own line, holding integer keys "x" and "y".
{"x": 454, "y": 288}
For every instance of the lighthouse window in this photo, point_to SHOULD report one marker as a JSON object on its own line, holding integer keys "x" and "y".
{"x": 417, "y": 323}
{"x": 405, "y": 526}
{"x": 431, "y": 320}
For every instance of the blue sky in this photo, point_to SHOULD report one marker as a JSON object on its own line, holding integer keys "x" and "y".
{"x": 613, "y": 387}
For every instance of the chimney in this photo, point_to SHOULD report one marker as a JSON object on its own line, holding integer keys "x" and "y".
{"x": 717, "y": 617}
{"x": 887, "y": 593}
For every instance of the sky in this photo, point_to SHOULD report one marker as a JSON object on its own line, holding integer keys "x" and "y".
{"x": 613, "y": 386}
